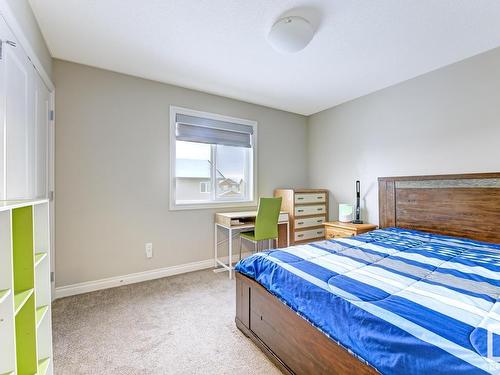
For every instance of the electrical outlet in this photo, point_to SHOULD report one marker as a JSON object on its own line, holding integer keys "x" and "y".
{"x": 149, "y": 250}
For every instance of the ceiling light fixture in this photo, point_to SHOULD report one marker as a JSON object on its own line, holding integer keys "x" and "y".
{"x": 290, "y": 34}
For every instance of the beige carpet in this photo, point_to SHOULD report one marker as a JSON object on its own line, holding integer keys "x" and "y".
{"x": 177, "y": 325}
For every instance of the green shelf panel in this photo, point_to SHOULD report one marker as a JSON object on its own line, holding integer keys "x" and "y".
{"x": 39, "y": 257}
{"x": 23, "y": 249}
{"x": 4, "y": 294}
{"x": 20, "y": 299}
{"x": 25, "y": 324}
{"x": 40, "y": 313}
{"x": 43, "y": 365}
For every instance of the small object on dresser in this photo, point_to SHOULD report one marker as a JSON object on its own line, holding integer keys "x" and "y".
{"x": 345, "y": 212}
{"x": 358, "y": 208}
{"x": 235, "y": 222}
{"x": 337, "y": 229}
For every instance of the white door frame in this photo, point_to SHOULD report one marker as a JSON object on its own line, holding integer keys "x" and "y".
{"x": 52, "y": 191}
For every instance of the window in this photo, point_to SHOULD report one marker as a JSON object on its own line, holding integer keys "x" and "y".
{"x": 205, "y": 187}
{"x": 212, "y": 160}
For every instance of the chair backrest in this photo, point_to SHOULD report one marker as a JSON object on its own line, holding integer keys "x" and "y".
{"x": 266, "y": 222}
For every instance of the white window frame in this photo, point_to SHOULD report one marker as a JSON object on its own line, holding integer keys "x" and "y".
{"x": 174, "y": 110}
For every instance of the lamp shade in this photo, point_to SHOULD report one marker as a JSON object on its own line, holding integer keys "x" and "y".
{"x": 290, "y": 34}
{"x": 345, "y": 212}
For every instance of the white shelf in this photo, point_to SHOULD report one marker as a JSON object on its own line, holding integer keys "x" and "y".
{"x": 43, "y": 365}
{"x": 40, "y": 314}
{"x": 20, "y": 299}
{"x": 9, "y": 205}
{"x": 4, "y": 294}
{"x": 39, "y": 257}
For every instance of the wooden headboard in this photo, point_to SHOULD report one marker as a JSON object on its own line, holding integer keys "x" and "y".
{"x": 464, "y": 205}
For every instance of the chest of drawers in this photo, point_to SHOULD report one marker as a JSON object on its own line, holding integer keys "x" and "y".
{"x": 308, "y": 210}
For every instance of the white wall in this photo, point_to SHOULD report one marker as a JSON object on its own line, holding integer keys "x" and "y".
{"x": 112, "y": 171}
{"x": 447, "y": 121}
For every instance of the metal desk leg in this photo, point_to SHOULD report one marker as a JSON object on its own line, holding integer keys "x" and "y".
{"x": 215, "y": 246}
{"x": 230, "y": 253}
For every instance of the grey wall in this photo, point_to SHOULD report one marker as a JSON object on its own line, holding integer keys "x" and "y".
{"x": 112, "y": 171}
{"x": 112, "y": 156}
{"x": 26, "y": 19}
{"x": 447, "y": 121}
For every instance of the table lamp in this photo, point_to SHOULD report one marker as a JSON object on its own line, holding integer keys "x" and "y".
{"x": 358, "y": 208}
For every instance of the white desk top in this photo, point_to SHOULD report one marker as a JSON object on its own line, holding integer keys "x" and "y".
{"x": 242, "y": 214}
{"x": 225, "y": 219}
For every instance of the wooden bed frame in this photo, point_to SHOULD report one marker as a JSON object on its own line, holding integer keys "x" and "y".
{"x": 465, "y": 205}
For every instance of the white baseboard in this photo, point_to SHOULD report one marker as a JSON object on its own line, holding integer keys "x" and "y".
{"x": 111, "y": 282}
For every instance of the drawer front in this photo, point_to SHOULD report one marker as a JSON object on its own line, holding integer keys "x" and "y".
{"x": 308, "y": 234}
{"x": 309, "y": 222}
{"x": 310, "y": 198}
{"x": 310, "y": 210}
{"x": 338, "y": 233}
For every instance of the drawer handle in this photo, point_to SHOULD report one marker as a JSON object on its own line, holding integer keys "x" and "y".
{"x": 300, "y": 235}
{"x": 320, "y": 232}
{"x": 300, "y": 210}
{"x": 320, "y": 209}
{"x": 319, "y": 197}
{"x": 300, "y": 198}
{"x": 319, "y": 221}
{"x": 300, "y": 223}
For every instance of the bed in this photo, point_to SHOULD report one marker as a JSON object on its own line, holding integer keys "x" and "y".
{"x": 409, "y": 298}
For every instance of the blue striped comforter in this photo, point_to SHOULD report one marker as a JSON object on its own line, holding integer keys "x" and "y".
{"x": 405, "y": 302}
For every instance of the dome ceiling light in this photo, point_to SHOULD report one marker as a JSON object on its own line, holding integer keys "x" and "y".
{"x": 290, "y": 34}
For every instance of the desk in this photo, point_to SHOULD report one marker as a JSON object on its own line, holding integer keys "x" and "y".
{"x": 246, "y": 223}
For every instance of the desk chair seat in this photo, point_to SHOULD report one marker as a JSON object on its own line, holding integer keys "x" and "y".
{"x": 266, "y": 223}
{"x": 248, "y": 236}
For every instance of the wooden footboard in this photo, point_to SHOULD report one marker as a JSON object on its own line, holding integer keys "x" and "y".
{"x": 292, "y": 343}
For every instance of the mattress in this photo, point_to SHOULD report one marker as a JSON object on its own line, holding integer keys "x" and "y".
{"x": 403, "y": 301}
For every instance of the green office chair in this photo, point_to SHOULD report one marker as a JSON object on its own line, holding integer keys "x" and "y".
{"x": 266, "y": 222}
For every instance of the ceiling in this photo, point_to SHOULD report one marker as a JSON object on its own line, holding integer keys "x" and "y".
{"x": 220, "y": 47}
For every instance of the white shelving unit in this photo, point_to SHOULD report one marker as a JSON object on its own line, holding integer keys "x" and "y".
{"x": 25, "y": 289}
{"x": 7, "y": 336}
{"x": 26, "y": 174}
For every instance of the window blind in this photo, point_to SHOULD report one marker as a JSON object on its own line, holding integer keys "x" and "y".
{"x": 204, "y": 130}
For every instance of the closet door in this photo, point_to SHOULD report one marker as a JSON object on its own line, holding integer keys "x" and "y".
{"x": 16, "y": 79}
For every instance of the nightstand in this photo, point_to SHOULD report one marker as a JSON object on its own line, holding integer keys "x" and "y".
{"x": 337, "y": 229}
